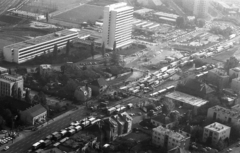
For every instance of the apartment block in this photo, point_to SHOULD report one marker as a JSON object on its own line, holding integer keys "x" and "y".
{"x": 201, "y": 8}
{"x": 224, "y": 114}
{"x": 167, "y": 138}
{"x": 216, "y": 131}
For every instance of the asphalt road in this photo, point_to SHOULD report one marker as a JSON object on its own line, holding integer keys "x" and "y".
{"x": 23, "y": 145}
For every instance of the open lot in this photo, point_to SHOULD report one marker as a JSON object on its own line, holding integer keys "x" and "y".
{"x": 102, "y": 2}
{"x": 95, "y": 13}
{"x": 48, "y": 6}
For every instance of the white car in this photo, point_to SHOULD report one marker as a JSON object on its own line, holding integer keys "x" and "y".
{"x": 6, "y": 148}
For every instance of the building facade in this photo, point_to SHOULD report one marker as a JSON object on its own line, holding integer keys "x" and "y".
{"x": 216, "y": 132}
{"x": 201, "y": 8}
{"x": 234, "y": 72}
{"x": 167, "y": 138}
{"x": 224, "y": 114}
{"x": 117, "y": 25}
{"x": 8, "y": 81}
{"x": 218, "y": 77}
{"x": 45, "y": 70}
{"x": 34, "y": 115}
{"x": 29, "y": 49}
{"x": 235, "y": 85}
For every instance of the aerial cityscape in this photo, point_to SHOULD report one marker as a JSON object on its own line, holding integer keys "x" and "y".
{"x": 120, "y": 76}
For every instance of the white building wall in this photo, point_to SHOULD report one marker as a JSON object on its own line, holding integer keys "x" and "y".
{"x": 117, "y": 25}
{"x": 201, "y": 8}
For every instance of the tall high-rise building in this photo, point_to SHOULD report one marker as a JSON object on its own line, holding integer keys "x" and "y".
{"x": 188, "y": 4}
{"x": 200, "y": 8}
{"x": 117, "y": 25}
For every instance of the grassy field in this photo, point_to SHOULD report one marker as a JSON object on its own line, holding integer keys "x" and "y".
{"x": 79, "y": 15}
{"x": 11, "y": 20}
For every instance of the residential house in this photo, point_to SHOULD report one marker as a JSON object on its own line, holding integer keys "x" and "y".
{"x": 98, "y": 86}
{"x": 178, "y": 150}
{"x": 121, "y": 124}
{"x": 162, "y": 120}
{"x": 218, "y": 77}
{"x": 34, "y": 115}
{"x": 45, "y": 70}
{"x": 216, "y": 132}
{"x": 83, "y": 93}
{"x": 110, "y": 129}
{"x": 170, "y": 139}
{"x": 224, "y": 114}
{"x": 128, "y": 122}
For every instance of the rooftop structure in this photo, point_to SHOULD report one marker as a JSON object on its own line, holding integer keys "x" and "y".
{"x": 3, "y": 71}
{"x": 168, "y": 132}
{"x": 166, "y": 15}
{"x": 217, "y": 127}
{"x": 188, "y": 99}
{"x": 143, "y": 11}
{"x": 236, "y": 108}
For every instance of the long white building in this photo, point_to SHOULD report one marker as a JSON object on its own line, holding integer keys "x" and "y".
{"x": 24, "y": 51}
{"x": 117, "y": 25}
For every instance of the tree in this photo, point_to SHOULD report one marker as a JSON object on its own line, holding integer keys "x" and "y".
{"x": 168, "y": 106}
{"x": 47, "y": 17}
{"x": 19, "y": 93}
{"x": 180, "y": 22}
{"x": 103, "y": 49}
{"x": 200, "y": 23}
{"x": 14, "y": 90}
{"x": 40, "y": 98}
{"x": 197, "y": 133}
{"x": 27, "y": 96}
{"x": 2, "y": 122}
{"x": 55, "y": 50}
{"x": 92, "y": 50}
{"x": 220, "y": 145}
{"x": 231, "y": 63}
{"x": 68, "y": 47}
{"x": 174, "y": 116}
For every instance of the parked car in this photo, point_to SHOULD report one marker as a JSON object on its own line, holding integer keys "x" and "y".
{"x": 6, "y": 148}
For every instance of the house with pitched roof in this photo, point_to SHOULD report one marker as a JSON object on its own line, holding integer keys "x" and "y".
{"x": 162, "y": 120}
{"x": 98, "y": 86}
{"x": 34, "y": 115}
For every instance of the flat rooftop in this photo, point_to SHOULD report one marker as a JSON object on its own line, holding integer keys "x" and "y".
{"x": 228, "y": 112}
{"x": 163, "y": 14}
{"x": 188, "y": 99}
{"x": 170, "y": 133}
{"x": 217, "y": 127}
{"x": 143, "y": 11}
{"x": 41, "y": 39}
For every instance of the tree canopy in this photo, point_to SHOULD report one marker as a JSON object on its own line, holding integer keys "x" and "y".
{"x": 231, "y": 63}
{"x": 168, "y": 106}
{"x": 218, "y": 31}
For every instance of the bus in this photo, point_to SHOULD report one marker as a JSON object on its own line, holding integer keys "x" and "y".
{"x": 36, "y": 146}
{"x": 154, "y": 94}
{"x": 111, "y": 110}
{"x": 162, "y": 91}
{"x": 95, "y": 121}
{"x": 170, "y": 88}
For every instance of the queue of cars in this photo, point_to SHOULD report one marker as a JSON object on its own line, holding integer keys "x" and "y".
{"x": 58, "y": 137}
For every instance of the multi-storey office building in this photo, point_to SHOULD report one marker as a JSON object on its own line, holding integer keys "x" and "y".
{"x": 24, "y": 51}
{"x": 216, "y": 131}
{"x": 117, "y": 25}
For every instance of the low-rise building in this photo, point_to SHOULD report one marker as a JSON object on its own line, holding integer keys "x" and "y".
{"x": 3, "y": 71}
{"x": 216, "y": 132}
{"x": 167, "y": 138}
{"x": 83, "y": 93}
{"x": 45, "y": 70}
{"x": 34, "y": 115}
{"x": 121, "y": 124}
{"x": 218, "y": 77}
{"x": 234, "y": 72}
{"x": 235, "y": 85}
{"x": 11, "y": 85}
{"x": 98, "y": 85}
{"x": 162, "y": 120}
{"x": 224, "y": 114}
